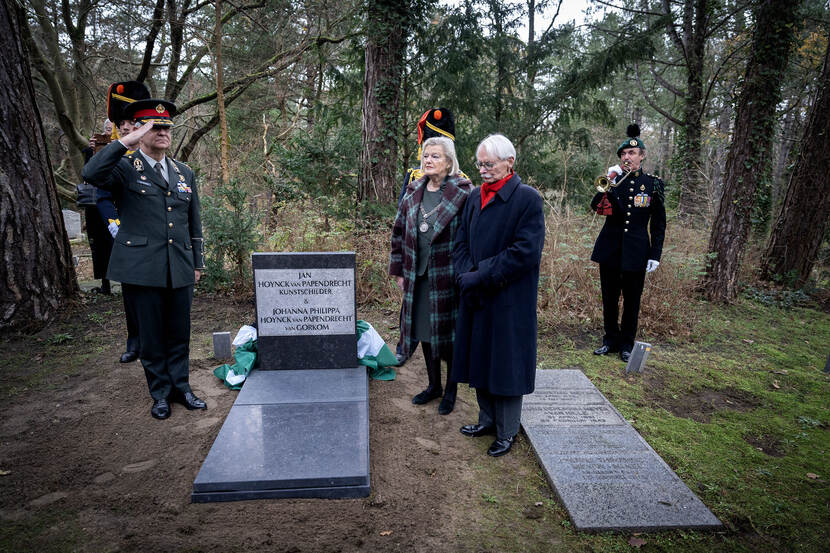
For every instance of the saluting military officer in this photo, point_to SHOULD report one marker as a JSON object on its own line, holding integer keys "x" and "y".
{"x": 630, "y": 243}
{"x": 158, "y": 250}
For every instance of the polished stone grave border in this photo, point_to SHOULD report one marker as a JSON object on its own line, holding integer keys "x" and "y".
{"x": 292, "y": 434}
{"x": 602, "y": 470}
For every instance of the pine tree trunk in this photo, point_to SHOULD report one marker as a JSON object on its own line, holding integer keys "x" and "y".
{"x": 36, "y": 273}
{"x": 748, "y": 161}
{"x": 387, "y": 20}
{"x": 802, "y": 220}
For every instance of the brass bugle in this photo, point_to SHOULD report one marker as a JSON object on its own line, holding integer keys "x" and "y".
{"x": 604, "y": 184}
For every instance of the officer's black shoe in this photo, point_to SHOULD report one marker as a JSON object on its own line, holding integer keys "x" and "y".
{"x": 476, "y": 430}
{"x": 603, "y": 349}
{"x": 190, "y": 401}
{"x": 448, "y": 401}
{"x": 160, "y": 409}
{"x": 500, "y": 447}
{"x": 625, "y": 356}
{"x": 129, "y": 356}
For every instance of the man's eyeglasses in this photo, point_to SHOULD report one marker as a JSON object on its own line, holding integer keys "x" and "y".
{"x": 487, "y": 164}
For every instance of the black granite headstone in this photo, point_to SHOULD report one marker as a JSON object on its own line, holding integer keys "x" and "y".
{"x": 305, "y": 310}
{"x": 302, "y": 430}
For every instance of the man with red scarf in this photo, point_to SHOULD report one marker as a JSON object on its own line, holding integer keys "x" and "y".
{"x": 497, "y": 253}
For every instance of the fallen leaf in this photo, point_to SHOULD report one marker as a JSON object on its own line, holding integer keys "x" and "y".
{"x": 776, "y": 385}
{"x": 812, "y": 475}
{"x": 782, "y": 371}
{"x": 636, "y": 542}
{"x": 4, "y": 472}
{"x": 538, "y": 503}
{"x": 748, "y": 341}
{"x": 386, "y": 532}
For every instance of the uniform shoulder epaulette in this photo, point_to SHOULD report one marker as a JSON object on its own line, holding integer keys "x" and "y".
{"x": 415, "y": 174}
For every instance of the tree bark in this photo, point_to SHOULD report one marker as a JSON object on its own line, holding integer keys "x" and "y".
{"x": 804, "y": 214}
{"x": 220, "y": 96}
{"x": 694, "y": 197}
{"x": 747, "y": 163}
{"x": 37, "y": 274}
{"x": 387, "y": 20}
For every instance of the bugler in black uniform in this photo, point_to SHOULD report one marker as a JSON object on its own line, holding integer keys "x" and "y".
{"x": 630, "y": 241}
{"x": 157, "y": 250}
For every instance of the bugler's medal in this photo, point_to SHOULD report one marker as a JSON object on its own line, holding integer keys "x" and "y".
{"x": 138, "y": 164}
{"x": 424, "y": 226}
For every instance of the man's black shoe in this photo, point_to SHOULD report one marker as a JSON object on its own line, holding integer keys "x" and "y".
{"x": 191, "y": 402}
{"x": 129, "y": 356}
{"x": 476, "y": 430}
{"x": 500, "y": 447}
{"x": 625, "y": 356}
{"x": 160, "y": 409}
{"x": 603, "y": 349}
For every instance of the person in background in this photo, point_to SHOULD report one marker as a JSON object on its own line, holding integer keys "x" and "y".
{"x": 119, "y": 96}
{"x": 433, "y": 123}
{"x": 100, "y": 243}
{"x": 421, "y": 263}
{"x": 497, "y": 254}
{"x": 625, "y": 251}
{"x": 158, "y": 251}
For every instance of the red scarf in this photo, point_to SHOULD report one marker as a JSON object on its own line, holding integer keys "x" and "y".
{"x": 488, "y": 190}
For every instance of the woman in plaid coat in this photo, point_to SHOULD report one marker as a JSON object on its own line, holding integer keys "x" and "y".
{"x": 421, "y": 262}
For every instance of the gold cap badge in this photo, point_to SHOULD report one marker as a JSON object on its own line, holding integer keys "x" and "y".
{"x": 160, "y": 108}
{"x": 632, "y": 142}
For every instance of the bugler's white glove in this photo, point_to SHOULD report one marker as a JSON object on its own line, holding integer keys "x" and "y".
{"x": 615, "y": 169}
{"x": 113, "y": 227}
{"x": 652, "y": 265}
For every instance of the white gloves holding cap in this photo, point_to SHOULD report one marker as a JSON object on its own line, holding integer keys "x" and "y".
{"x": 652, "y": 265}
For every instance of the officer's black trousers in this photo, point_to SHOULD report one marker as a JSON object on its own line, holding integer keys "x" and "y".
{"x": 614, "y": 281}
{"x": 163, "y": 316}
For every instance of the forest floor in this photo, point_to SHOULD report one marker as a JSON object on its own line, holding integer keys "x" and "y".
{"x": 740, "y": 415}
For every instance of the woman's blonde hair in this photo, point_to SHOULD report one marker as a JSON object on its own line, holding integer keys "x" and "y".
{"x": 449, "y": 150}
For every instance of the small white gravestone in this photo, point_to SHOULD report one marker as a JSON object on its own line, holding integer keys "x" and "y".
{"x": 72, "y": 223}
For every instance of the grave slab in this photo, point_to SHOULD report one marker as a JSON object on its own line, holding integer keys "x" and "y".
{"x": 604, "y": 473}
{"x": 288, "y": 450}
{"x": 272, "y": 387}
{"x": 300, "y": 425}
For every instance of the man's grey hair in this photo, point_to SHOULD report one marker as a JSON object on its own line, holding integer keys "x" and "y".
{"x": 497, "y": 145}
{"x": 449, "y": 151}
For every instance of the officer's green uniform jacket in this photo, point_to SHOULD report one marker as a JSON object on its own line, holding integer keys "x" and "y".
{"x": 160, "y": 232}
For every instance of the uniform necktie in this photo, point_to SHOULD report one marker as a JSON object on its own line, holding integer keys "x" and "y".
{"x": 158, "y": 169}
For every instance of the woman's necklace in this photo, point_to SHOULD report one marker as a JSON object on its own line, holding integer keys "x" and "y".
{"x": 424, "y": 226}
